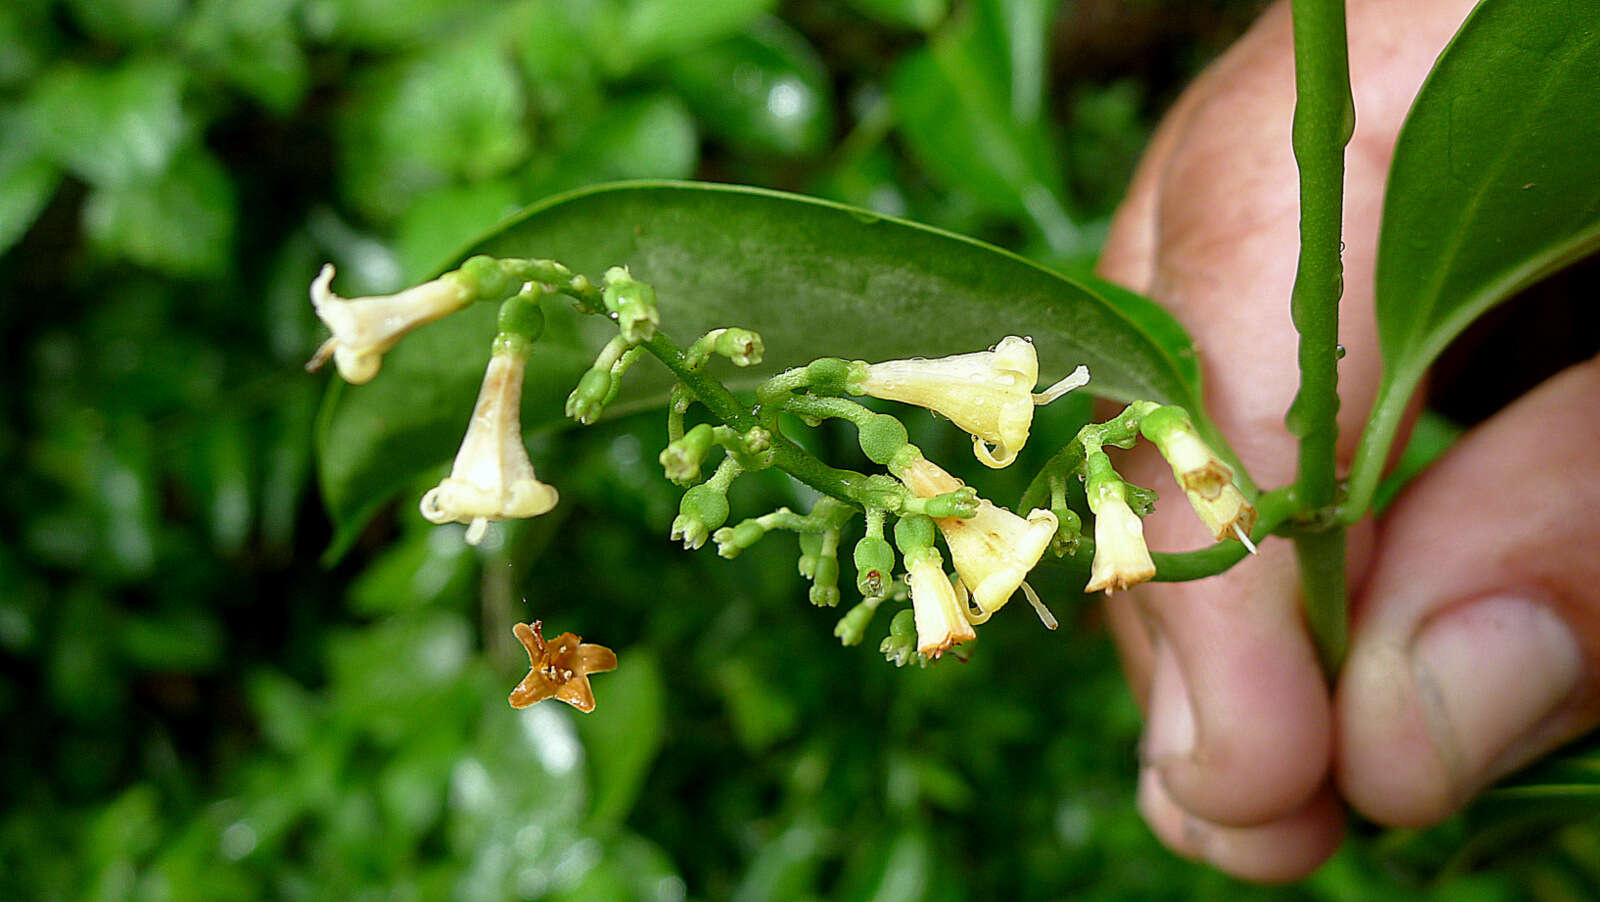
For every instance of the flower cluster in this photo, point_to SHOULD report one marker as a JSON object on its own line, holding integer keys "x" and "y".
{"x": 989, "y": 394}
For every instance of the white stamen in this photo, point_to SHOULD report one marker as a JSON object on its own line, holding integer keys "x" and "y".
{"x": 1045, "y": 617}
{"x": 1245, "y": 538}
{"x": 1078, "y": 378}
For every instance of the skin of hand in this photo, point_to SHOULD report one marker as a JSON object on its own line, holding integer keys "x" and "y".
{"x": 1476, "y": 599}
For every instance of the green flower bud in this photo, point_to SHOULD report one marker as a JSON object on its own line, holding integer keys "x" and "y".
{"x": 810, "y": 551}
{"x": 962, "y": 502}
{"x": 741, "y": 346}
{"x": 901, "y": 644}
{"x": 852, "y": 627}
{"x": 1069, "y": 529}
{"x": 681, "y": 459}
{"x": 702, "y": 510}
{"x": 874, "y": 558}
{"x": 880, "y": 437}
{"x": 588, "y": 399}
{"x": 733, "y": 539}
{"x": 825, "y": 582}
{"x": 632, "y": 303}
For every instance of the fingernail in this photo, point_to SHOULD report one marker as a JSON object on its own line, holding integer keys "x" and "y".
{"x": 1170, "y": 731}
{"x": 1488, "y": 672}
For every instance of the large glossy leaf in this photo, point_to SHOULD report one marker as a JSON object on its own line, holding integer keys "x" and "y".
{"x": 1493, "y": 183}
{"x": 815, "y": 278}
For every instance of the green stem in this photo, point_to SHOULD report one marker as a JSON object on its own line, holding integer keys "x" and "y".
{"x": 787, "y": 456}
{"x": 1324, "y": 118}
{"x": 1322, "y": 579}
{"x": 1367, "y": 469}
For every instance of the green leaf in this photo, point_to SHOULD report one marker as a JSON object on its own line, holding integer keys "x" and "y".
{"x": 455, "y": 114}
{"x": 251, "y": 43}
{"x": 26, "y": 180}
{"x": 636, "y": 32}
{"x": 111, "y": 127}
{"x": 919, "y": 14}
{"x": 764, "y": 90}
{"x": 181, "y": 222}
{"x": 1492, "y": 187}
{"x": 813, "y": 277}
{"x": 649, "y": 137}
{"x": 967, "y": 106}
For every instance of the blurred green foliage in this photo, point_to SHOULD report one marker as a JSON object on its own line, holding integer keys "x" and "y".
{"x": 195, "y": 708}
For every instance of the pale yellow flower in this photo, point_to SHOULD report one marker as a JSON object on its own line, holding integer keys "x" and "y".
{"x": 941, "y": 624}
{"x": 1121, "y": 558}
{"x": 1228, "y": 514}
{"x": 987, "y": 393}
{"x": 492, "y": 478}
{"x": 364, "y": 328}
{"x": 994, "y": 550}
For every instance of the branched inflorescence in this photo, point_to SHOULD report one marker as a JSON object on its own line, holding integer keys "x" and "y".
{"x": 905, "y": 509}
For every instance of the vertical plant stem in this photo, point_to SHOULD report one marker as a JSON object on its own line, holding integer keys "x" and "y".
{"x": 1324, "y": 117}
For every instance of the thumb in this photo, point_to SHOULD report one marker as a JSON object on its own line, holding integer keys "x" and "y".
{"x": 1475, "y": 640}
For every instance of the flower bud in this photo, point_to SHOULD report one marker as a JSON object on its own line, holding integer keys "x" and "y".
{"x": 681, "y": 459}
{"x": 874, "y": 558}
{"x": 901, "y": 643}
{"x": 632, "y": 303}
{"x": 733, "y": 539}
{"x": 825, "y": 581}
{"x": 702, "y": 510}
{"x": 741, "y": 346}
{"x": 852, "y": 627}
{"x": 589, "y": 398}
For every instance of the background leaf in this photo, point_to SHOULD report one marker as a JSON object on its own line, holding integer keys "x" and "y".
{"x": 1492, "y": 186}
{"x": 795, "y": 269}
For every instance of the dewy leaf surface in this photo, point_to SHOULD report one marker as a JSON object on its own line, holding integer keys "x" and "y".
{"x": 813, "y": 277}
{"x": 1495, "y": 180}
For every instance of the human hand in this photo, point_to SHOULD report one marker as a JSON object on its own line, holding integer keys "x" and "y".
{"x": 1476, "y": 598}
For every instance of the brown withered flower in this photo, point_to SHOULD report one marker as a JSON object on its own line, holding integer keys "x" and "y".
{"x": 559, "y": 668}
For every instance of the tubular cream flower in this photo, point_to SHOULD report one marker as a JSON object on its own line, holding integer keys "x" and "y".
{"x": 1228, "y": 515}
{"x": 1121, "y": 558}
{"x": 941, "y": 624}
{"x": 492, "y": 478}
{"x": 363, "y": 328}
{"x": 987, "y": 393}
{"x": 994, "y": 550}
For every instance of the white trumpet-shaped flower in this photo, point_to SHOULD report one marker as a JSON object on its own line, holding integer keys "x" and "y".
{"x": 987, "y": 393}
{"x": 994, "y": 550}
{"x": 1228, "y": 514}
{"x": 941, "y": 624}
{"x": 492, "y": 478}
{"x": 1197, "y": 468}
{"x": 364, "y": 328}
{"x": 1121, "y": 557}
